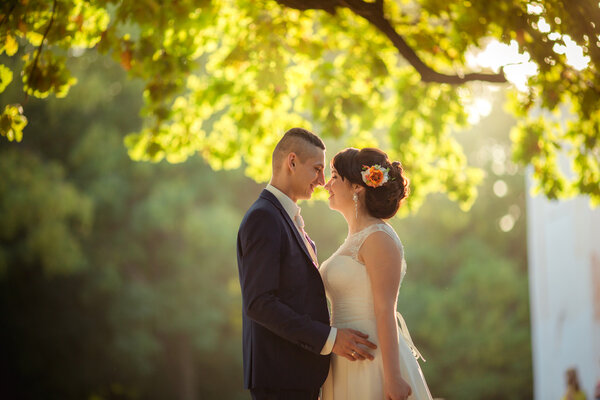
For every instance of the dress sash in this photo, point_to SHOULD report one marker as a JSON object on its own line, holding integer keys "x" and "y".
{"x": 406, "y": 335}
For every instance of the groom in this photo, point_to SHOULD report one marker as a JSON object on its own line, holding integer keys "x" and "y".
{"x": 286, "y": 334}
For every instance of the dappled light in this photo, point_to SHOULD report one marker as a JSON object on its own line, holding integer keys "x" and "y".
{"x": 401, "y": 75}
{"x": 134, "y": 135}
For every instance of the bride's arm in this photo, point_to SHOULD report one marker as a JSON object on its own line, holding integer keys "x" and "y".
{"x": 383, "y": 260}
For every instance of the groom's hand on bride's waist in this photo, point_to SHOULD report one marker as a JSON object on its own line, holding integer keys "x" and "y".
{"x": 351, "y": 345}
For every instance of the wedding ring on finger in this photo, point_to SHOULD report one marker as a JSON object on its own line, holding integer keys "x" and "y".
{"x": 353, "y": 354}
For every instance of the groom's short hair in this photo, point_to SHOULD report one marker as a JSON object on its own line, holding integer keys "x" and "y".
{"x": 297, "y": 140}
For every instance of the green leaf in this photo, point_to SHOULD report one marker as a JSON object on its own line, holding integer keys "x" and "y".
{"x": 6, "y": 76}
{"x": 12, "y": 122}
{"x": 10, "y": 46}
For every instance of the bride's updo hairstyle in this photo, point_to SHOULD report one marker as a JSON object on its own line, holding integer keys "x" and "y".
{"x": 383, "y": 201}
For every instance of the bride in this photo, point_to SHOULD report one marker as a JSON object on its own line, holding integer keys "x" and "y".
{"x": 362, "y": 279}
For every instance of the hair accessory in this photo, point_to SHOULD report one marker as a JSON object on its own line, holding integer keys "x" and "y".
{"x": 375, "y": 175}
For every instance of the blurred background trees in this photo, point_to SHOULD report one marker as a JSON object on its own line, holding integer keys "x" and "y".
{"x": 118, "y": 278}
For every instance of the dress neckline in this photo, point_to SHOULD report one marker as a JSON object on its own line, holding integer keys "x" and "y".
{"x": 365, "y": 228}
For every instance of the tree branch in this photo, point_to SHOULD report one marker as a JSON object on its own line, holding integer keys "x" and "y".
{"x": 304, "y": 5}
{"x": 39, "y": 49}
{"x": 7, "y": 16}
{"x": 373, "y": 13}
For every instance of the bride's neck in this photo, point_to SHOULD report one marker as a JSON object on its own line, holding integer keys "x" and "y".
{"x": 357, "y": 224}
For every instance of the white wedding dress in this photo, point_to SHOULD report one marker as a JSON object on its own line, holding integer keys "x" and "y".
{"x": 349, "y": 290}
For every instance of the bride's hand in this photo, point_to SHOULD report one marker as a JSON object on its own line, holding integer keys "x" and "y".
{"x": 397, "y": 389}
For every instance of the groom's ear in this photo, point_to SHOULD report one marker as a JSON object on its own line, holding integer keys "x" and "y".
{"x": 292, "y": 160}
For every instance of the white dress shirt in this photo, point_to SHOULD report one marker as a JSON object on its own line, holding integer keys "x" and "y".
{"x": 292, "y": 209}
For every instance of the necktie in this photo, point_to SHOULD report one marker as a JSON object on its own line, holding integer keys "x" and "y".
{"x": 300, "y": 225}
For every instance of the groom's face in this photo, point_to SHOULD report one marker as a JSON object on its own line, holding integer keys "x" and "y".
{"x": 309, "y": 173}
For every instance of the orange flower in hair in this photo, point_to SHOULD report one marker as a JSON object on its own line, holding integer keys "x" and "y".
{"x": 375, "y": 175}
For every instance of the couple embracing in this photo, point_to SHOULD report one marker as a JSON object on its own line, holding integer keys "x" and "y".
{"x": 291, "y": 348}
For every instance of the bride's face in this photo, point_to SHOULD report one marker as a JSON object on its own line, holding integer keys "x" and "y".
{"x": 340, "y": 192}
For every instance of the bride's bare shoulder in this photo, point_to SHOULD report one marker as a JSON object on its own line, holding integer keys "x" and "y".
{"x": 380, "y": 247}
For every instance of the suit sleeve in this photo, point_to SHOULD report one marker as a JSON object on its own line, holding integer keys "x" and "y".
{"x": 259, "y": 255}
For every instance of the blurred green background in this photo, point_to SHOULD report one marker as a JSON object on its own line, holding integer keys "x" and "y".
{"x": 118, "y": 279}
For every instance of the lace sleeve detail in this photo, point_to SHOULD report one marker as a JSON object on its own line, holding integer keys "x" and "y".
{"x": 355, "y": 242}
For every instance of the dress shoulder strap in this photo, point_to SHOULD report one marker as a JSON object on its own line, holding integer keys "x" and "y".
{"x": 355, "y": 242}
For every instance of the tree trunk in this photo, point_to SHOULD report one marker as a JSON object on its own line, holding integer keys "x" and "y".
{"x": 188, "y": 385}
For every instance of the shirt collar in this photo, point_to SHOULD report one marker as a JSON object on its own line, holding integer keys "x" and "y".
{"x": 288, "y": 204}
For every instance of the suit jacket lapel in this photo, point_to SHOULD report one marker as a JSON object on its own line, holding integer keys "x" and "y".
{"x": 265, "y": 194}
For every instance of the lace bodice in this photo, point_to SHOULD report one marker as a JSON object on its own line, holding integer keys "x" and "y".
{"x": 354, "y": 242}
{"x": 347, "y": 282}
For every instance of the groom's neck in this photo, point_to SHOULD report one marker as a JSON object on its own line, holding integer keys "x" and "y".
{"x": 284, "y": 188}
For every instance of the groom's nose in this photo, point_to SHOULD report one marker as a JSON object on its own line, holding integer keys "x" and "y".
{"x": 321, "y": 178}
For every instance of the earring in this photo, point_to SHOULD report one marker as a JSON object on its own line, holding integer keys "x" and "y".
{"x": 355, "y": 198}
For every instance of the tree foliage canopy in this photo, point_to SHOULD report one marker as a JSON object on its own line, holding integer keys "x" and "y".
{"x": 224, "y": 78}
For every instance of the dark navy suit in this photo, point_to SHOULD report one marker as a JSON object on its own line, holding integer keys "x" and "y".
{"x": 285, "y": 316}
